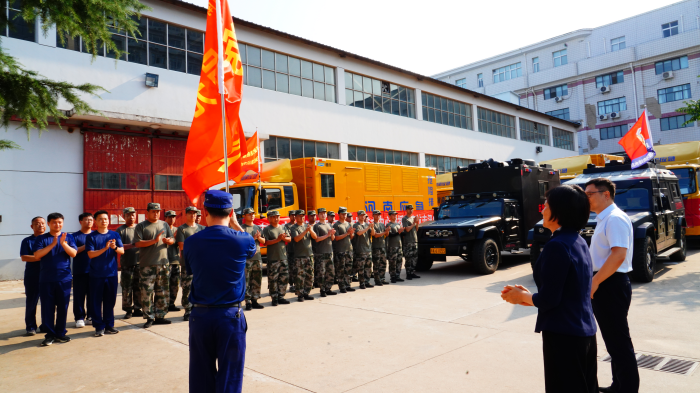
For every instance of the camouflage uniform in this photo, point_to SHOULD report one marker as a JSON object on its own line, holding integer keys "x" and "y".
{"x": 277, "y": 266}
{"x": 323, "y": 255}
{"x": 379, "y": 261}
{"x": 362, "y": 264}
{"x": 174, "y": 261}
{"x": 293, "y": 269}
{"x": 410, "y": 244}
{"x": 327, "y": 271}
{"x": 183, "y": 232}
{"x": 154, "y": 267}
{"x": 343, "y": 253}
{"x": 394, "y": 248}
{"x": 253, "y": 266}
{"x": 305, "y": 278}
{"x": 131, "y": 292}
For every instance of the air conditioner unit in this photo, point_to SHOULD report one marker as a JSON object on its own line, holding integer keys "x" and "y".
{"x": 603, "y": 117}
{"x": 614, "y": 115}
{"x": 667, "y": 75}
{"x": 605, "y": 89}
{"x": 558, "y": 99}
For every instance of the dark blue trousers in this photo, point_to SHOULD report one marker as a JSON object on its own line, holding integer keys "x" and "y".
{"x": 31, "y": 289}
{"x": 103, "y": 291}
{"x": 81, "y": 295}
{"x": 217, "y": 334}
{"x": 611, "y": 302}
{"x": 55, "y": 297}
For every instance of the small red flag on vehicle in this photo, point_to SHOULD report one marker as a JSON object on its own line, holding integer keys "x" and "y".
{"x": 638, "y": 143}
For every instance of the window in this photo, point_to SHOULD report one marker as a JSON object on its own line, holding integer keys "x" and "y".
{"x": 610, "y": 79}
{"x": 617, "y": 44}
{"x": 327, "y": 186}
{"x": 370, "y": 154}
{"x": 480, "y": 80}
{"x": 168, "y": 182}
{"x": 274, "y": 198}
{"x": 276, "y": 71}
{"x": 671, "y": 65}
{"x": 17, "y": 27}
{"x": 556, "y": 91}
{"x": 543, "y": 187}
{"x": 559, "y": 58}
{"x": 670, "y": 28}
{"x": 506, "y": 73}
{"x": 277, "y": 148}
{"x": 160, "y": 44}
{"x": 535, "y": 64}
{"x": 563, "y": 139}
{"x": 675, "y": 93}
{"x": 119, "y": 181}
{"x": 496, "y": 123}
{"x": 445, "y": 111}
{"x": 613, "y": 132}
{"x": 288, "y": 195}
{"x": 461, "y": 83}
{"x": 560, "y": 113}
{"x": 446, "y": 164}
{"x": 614, "y": 105}
{"x": 379, "y": 96}
{"x": 675, "y": 122}
{"x": 534, "y": 132}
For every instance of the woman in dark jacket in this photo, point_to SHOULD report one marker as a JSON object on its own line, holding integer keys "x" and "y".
{"x": 563, "y": 274}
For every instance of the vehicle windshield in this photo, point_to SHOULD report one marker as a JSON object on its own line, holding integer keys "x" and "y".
{"x": 633, "y": 195}
{"x": 242, "y": 197}
{"x": 686, "y": 180}
{"x": 459, "y": 209}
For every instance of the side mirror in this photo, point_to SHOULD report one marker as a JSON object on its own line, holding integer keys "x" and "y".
{"x": 262, "y": 202}
{"x": 435, "y": 212}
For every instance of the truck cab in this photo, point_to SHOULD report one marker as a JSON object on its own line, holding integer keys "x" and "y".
{"x": 281, "y": 197}
{"x": 493, "y": 206}
{"x": 650, "y": 195}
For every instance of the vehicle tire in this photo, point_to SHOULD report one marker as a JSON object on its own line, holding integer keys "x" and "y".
{"x": 486, "y": 256}
{"x": 679, "y": 256}
{"x": 534, "y": 254}
{"x": 643, "y": 260}
{"x": 424, "y": 265}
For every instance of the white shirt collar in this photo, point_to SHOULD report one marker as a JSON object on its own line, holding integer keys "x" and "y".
{"x": 605, "y": 213}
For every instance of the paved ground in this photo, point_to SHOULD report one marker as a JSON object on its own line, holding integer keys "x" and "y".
{"x": 448, "y": 331}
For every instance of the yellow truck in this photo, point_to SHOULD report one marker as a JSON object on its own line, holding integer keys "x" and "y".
{"x": 683, "y": 159}
{"x": 570, "y": 167}
{"x": 444, "y": 186}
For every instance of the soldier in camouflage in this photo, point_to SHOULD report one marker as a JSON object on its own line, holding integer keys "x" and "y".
{"x": 363, "y": 250}
{"x": 410, "y": 225}
{"x": 324, "y": 249}
{"x": 189, "y": 228}
{"x": 276, "y": 238}
{"x": 253, "y": 266}
{"x": 302, "y": 237}
{"x": 311, "y": 214}
{"x": 344, "y": 233}
{"x": 394, "y": 248}
{"x": 131, "y": 292}
{"x": 379, "y": 233}
{"x": 174, "y": 261}
{"x": 290, "y": 253}
{"x": 153, "y": 237}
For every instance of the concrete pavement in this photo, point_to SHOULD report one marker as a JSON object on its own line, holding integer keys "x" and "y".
{"x": 447, "y": 331}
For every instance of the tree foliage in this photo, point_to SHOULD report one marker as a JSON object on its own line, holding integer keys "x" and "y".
{"x": 34, "y": 99}
{"x": 691, "y": 108}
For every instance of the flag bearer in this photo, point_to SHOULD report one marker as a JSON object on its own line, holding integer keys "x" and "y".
{"x": 253, "y": 265}
{"x": 276, "y": 238}
{"x": 302, "y": 235}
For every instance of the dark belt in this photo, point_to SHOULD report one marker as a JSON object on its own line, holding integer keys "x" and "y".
{"x": 229, "y": 305}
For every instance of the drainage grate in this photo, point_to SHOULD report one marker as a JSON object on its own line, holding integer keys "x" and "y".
{"x": 663, "y": 363}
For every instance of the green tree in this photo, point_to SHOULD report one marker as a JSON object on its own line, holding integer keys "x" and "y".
{"x": 691, "y": 108}
{"x": 33, "y": 99}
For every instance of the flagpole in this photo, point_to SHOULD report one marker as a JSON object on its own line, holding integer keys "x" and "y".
{"x": 220, "y": 69}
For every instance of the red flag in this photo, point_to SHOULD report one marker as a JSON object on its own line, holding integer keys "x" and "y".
{"x": 221, "y": 72}
{"x": 251, "y": 160}
{"x": 637, "y": 142}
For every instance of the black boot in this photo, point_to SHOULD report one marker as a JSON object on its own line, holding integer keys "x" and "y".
{"x": 308, "y": 297}
{"x": 257, "y": 305}
{"x": 137, "y": 313}
{"x": 362, "y": 286}
{"x": 329, "y": 292}
{"x": 409, "y": 277}
{"x": 398, "y": 279}
{"x": 368, "y": 285}
{"x": 378, "y": 283}
{"x": 274, "y": 302}
{"x": 323, "y": 293}
{"x": 248, "y": 306}
{"x": 173, "y": 307}
{"x": 393, "y": 280}
{"x": 342, "y": 290}
{"x": 300, "y": 298}
{"x": 350, "y": 289}
{"x": 414, "y": 275}
{"x": 282, "y": 301}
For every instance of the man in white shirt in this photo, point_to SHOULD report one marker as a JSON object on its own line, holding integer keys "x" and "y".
{"x": 611, "y": 291}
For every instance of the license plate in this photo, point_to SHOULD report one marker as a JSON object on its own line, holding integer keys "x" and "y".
{"x": 438, "y": 251}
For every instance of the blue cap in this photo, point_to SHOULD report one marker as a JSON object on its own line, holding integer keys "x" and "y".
{"x": 218, "y": 199}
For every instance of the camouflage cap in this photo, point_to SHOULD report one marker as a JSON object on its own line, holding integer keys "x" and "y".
{"x": 311, "y": 213}
{"x": 321, "y": 210}
{"x": 409, "y": 206}
{"x": 292, "y": 212}
{"x": 273, "y": 213}
{"x": 191, "y": 209}
{"x": 331, "y": 213}
{"x": 392, "y": 212}
{"x": 128, "y": 210}
{"x": 199, "y": 212}
{"x": 342, "y": 210}
{"x": 377, "y": 212}
{"x": 153, "y": 206}
{"x": 248, "y": 210}
{"x": 361, "y": 213}
{"x": 170, "y": 213}
{"x": 301, "y": 213}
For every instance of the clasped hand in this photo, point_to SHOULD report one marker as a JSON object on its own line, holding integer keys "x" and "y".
{"x": 513, "y": 294}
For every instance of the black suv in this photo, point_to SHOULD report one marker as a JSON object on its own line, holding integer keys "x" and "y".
{"x": 492, "y": 207}
{"x": 651, "y": 198}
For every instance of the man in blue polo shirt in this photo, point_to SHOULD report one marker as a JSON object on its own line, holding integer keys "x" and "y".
{"x": 31, "y": 274}
{"x": 216, "y": 259}
{"x": 103, "y": 246}
{"x": 81, "y": 273}
{"x": 55, "y": 249}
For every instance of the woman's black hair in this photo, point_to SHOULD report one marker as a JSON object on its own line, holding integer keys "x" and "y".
{"x": 569, "y": 206}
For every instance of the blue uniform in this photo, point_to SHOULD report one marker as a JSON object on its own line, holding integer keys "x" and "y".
{"x": 54, "y": 284}
{"x": 31, "y": 282}
{"x": 103, "y": 278}
{"x": 81, "y": 280}
{"x": 216, "y": 259}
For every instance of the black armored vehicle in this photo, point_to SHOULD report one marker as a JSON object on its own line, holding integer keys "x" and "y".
{"x": 491, "y": 209}
{"x": 651, "y": 197}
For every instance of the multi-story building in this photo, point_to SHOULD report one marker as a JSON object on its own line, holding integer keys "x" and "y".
{"x": 303, "y": 98}
{"x": 603, "y": 78}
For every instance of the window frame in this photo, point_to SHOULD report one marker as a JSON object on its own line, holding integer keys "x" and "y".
{"x": 671, "y": 65}
{"x": 395, "y": 99}
{"x": 672, "y": 92}
{"x": 622, "y": 105}
{"x": 563, "y": 89}
{"x": 355, "y": 152}
{"x": 327, "y": 192}
{"x": 533, "y": 132}
{"x": 505, "y": 73}
{"x": 665, "y": 123}
{"x": 450, "y": 111}
{"x": 670, "y": 27}
{"x": 446, "y": 164}
{"x": 563, "y": 139}
{"x": 613, "y": 78}
{"x": 461, "y": 83}
{"x": 480, "y": 80}
{"x": 621, "y": 44}
{"x": 560, "y": 55}
{"x": 614, "y": 130}
{"x": 489, "y": 123}
{"x": 535, "y": 64}
{"x": 123, "y": 181}
{"x": 565, "y": 113}
{"x": 332, "y": 149}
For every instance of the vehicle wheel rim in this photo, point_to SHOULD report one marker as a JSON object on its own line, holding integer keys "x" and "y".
{"x": 490, "y": 256}
{"x": 649, "y": 260}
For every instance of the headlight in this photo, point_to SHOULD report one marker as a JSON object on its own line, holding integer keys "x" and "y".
{"x": 541, "y": 230}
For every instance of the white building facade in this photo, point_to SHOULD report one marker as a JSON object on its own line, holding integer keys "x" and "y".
{"x": 303, "y": 98}
{"x": 603, "y": 78}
